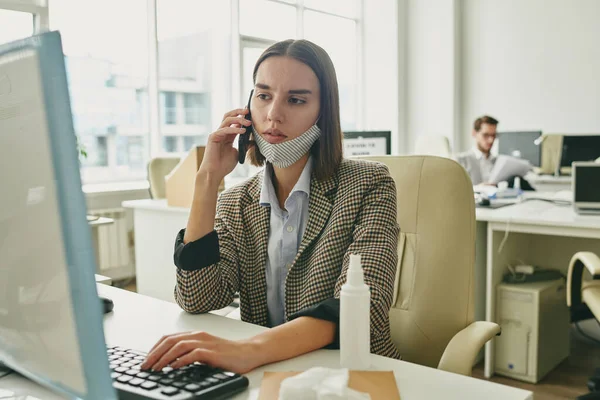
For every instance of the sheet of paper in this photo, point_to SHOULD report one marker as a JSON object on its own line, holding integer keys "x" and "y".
{"x": 506, "y": 167}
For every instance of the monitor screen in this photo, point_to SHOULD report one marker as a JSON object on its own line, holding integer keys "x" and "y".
{"x": 521, "y": 145}
{"x": 367, "y": 143}
{"x": 50, "y": 315}
{"x": 579, "y": 148}
{"x": 587, "y": 183}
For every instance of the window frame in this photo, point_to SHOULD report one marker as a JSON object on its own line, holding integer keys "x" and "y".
{"x": 40, "y": 11}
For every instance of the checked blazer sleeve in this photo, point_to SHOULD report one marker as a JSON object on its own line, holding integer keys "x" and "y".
{"x": 207, "y": 270}
{"x": 375, "y": 238}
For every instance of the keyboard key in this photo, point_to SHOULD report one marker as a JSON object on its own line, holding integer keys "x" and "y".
{"x": 142, "y": 375}
{"x": 212, "y": 380}
{"x": 115, "y": 375}
{"x": 179, "y": 384}
{"x": 170, "y": 391}
{"x": 221, "y": 376}
{"x": 124, "y": 378}
{"x": 149, "y": 385}
{"x": 230, "y": 374}
{"x": 192, "y": 387}
{"x": 166, "y": 381}
{"x": 132, "y": 372}
{"x": 136, "y": 382}
{"x": 127, "y": 365}
{"x": 121, "y": 369}
{"x": 155, "y": 378}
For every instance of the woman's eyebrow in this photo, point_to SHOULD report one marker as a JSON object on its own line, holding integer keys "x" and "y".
{"x": 293, "y": 91}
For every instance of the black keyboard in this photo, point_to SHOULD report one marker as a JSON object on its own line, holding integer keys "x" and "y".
{"x": 195, "y": 381}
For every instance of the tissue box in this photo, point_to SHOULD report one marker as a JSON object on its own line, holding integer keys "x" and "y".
{"x": 381, "y": 385}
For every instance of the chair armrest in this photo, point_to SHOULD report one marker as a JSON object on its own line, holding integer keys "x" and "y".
{"x": 460, "y": 353}
{"x": 580, "y": 260}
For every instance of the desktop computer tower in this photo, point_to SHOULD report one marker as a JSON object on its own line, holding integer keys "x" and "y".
{"x": 535, "y": 329}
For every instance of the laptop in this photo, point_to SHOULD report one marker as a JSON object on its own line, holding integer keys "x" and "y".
{"x": 50, "y": 313}
{"x": 586, "y": 187}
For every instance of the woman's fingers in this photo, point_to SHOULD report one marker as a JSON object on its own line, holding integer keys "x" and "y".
{"x": 161, "y": 347}
{"x": 204, "y": 356}
{"x": 181, "y": 348}
{"x": 226, "y": 133}
{"x": 239, "y": 120}
{"x": 233, "y": 113}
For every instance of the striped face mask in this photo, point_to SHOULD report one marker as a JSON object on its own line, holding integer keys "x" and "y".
{"x": 284, "y": 154}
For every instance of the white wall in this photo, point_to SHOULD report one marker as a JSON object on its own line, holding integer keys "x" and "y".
{"x": 532, "y": 64}
{"x": 380, "y": 73}
{"x": 430, "y": 69}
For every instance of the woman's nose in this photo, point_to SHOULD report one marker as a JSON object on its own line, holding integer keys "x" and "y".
{"x": 275, "y": 113}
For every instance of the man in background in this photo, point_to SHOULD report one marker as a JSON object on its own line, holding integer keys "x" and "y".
{"x": 478, "y": 162}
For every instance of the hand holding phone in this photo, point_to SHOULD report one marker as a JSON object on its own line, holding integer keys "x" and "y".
{"x": 244, "y": 139}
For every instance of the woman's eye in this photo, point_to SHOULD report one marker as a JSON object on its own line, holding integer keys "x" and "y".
{"x": 294, "y": 100}
{"x": 262, "y": 96}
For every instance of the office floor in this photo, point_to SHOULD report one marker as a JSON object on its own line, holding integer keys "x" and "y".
{"x": 567, "y": 381}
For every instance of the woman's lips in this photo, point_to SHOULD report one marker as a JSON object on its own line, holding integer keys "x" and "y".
{"x": 273, "y": 136}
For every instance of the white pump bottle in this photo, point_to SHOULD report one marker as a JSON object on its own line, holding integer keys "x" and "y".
{"x": 355, "y": 305}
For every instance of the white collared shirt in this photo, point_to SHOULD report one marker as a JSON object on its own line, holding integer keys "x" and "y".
{"x": 486, "y": 164}
{"x": 286, "y": 228}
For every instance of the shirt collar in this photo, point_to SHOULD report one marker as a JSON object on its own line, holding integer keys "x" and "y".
{"x": 479, "y": 154}
{"x": 267, "y": 191}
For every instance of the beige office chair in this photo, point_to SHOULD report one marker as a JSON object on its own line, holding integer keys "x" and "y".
{"x": 158, "y": 168}
{"x": 432, "y": 312}
{"x": 583, "y": 299}
{"x": 433, "y": 145}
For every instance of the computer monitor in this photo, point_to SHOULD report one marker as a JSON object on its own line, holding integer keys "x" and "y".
{"x": 51, "y": 327}
{"x": 360, "y": 143}
{"x": 579, "y": 148}
{"x": 521, "y": 145}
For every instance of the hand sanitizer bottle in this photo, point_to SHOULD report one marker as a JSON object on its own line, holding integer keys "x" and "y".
{"x": 355, "y": 320}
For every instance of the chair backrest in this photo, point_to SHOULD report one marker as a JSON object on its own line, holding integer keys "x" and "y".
{"x": 158, "y": 168}
{"x": 433, "y": 145}
{"x": 434, "y": 287}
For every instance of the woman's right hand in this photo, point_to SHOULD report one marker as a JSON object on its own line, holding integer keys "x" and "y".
{"x": 220, "y": 157}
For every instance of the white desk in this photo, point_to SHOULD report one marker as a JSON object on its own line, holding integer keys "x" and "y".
{"x": 138, "y": 321}
{"x": 549, "y": 183}
{"x": 539, "y": 233}
{"x": 156, "y": 225}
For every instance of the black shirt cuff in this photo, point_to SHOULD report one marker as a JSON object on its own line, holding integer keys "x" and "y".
{"x": 328, "y": 310}
{"x": 197, "y": 254}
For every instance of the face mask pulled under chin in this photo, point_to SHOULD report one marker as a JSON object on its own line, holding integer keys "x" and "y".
{"x": 282, "y": 155}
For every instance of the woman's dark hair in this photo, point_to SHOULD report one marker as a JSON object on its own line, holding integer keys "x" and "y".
{"x": 327, "y": 151}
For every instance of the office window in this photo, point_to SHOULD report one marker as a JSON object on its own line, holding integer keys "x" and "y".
{"x": 267, "y": 19}
{"x": 191, "y": 141}
{"x": 196, "y": 108}
{"x": 170, "y": 144}
{"x": 337, "y": 35}
{"x": 168, "y": 108}
{"x": 106, "y": 54}
{"x": 346, "y": 8}
{"x": 194, "y": 64}
{"x": 15, "y": 25}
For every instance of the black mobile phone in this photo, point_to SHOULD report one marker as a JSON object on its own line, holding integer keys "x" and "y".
{"x": 245, "y": 137}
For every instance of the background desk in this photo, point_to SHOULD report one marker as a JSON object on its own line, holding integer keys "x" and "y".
{"x": 156, "y": 225}
{"x": 539, "y": 233}
{"x": 139, "y": 321}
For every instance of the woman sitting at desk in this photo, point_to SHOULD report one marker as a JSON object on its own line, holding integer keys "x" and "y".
{"x": 282, "y": 239}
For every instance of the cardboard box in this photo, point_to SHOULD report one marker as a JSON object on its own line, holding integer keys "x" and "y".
{"x": 179, "y": 184}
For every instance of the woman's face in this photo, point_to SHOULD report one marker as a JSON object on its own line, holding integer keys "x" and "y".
{"x": 286, "y": 100}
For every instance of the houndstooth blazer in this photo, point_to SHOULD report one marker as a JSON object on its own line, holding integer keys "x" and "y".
{"x": 352, "y": 212}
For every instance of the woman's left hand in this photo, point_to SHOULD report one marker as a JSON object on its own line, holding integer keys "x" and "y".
{"x": 182, "y": 349}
